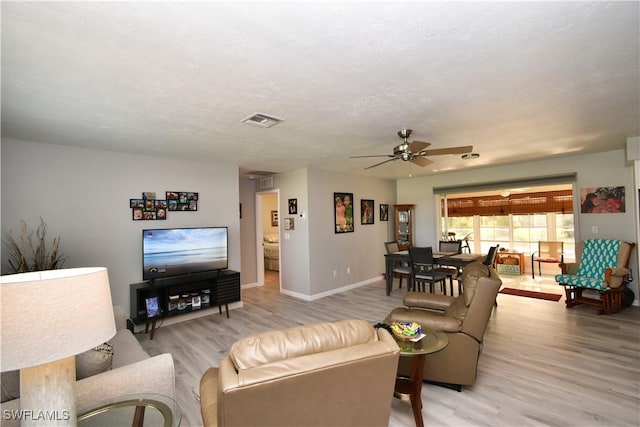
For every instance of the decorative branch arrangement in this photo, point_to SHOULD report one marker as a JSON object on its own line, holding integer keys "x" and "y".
{"x": 26, "y": 255}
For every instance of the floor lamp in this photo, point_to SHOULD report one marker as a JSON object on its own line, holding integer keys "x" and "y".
{"x": 47, "y": 318}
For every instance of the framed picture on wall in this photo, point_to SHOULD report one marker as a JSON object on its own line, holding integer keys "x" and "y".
{"x": 182, "y": 200}
{"x": 343, "y": 212}
{"x": 602, "y": 200}
{"x": 274, "y": 218}
{"x": 366, "y": 211}
{"x": 293, "y": 206}
{"x": 384, "y": 212}
{"x": 289, "y": 223}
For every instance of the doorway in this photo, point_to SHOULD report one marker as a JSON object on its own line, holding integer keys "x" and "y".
{"x": 268, "y": 238}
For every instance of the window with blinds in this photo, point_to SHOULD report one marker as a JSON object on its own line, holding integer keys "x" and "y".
{"x": 523, "y": 203}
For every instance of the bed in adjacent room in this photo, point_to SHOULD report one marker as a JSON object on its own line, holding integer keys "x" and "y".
{"x": 271, "y": 252}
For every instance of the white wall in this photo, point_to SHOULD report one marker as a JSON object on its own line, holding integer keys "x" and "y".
{"x": 609, "y": 169}
{"x": 248, "y": 232}
{"x": 83, "y": 196}
{"x": 355, "y": 257}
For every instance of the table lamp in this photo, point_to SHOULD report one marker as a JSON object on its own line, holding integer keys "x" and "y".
{"x": 47, "y": 318}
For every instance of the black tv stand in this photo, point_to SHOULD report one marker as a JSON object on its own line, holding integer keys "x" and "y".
{"x": 185, "y": 294}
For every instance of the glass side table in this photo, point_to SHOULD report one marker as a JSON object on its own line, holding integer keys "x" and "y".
{"x": 411, "y": 387}
{"x": 136, "y": 410}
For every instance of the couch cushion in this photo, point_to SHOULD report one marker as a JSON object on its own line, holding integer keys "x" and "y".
{"x": 94, "y": 361}
{"x": 126, "y": 349}
{"x": 272, "y": 346}
{"x": 10, "y": 385}
{"x": 597, "y": 256}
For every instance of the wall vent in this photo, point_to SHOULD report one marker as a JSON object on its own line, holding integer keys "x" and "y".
{"x": 262, "y": 120}
{"x": 265, "y": 183}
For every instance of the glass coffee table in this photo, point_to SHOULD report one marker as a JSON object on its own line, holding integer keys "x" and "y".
{"x": 136, "y": 410}
{"x": 411, "y": 387}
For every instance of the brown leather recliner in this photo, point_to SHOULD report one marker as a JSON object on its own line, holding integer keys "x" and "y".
{"x": 325, "y": 374}
{"x": 464, "y": 319}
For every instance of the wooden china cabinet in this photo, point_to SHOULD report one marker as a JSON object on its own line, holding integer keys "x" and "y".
{"x": 404, "y": 225}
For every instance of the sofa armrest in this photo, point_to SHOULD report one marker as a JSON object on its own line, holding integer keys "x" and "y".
{"x": 442, "y": 323}
{"x": 569, "y": 268}
{"x": 425, "y": 318}
{"x": 615, "y": 276}
{"x": 436, "y": 302}
{"x": 153, "y": 375}
{"x": 120, "y": 316}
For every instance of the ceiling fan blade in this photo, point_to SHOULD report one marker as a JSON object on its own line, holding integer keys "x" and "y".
{"x": 375, "y": 155}
{"x": 381, "y": 163}
{"x": 421, "y": 161}
{"x": 452, "y": 150}
{"x": 416, "y": 146}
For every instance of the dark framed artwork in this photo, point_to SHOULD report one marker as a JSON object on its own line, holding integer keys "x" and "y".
{"x": 148, "y": 208}
{"x": 274, "y": 218}
{"x": 366, "y": 211}
{"x": 182, "y": 200}
{"x": 384, "y": 212}
{"x": 289, "y": 223}
{"x": 293, "y": 206}
{"x": 602, "y": 200}
{"x": 343, "y": 212}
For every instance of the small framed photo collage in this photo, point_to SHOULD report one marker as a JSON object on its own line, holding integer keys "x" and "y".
{"x": 182, "y": 201}
{"x": 150, "y": 208}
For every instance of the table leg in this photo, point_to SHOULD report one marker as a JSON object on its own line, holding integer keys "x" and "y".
{"x": 416, "y": 394}
{"x": 389, "y": 276}
{"x": 138, "y": 417}
{"x": 412, "y": 387}
{"x": 151, "y": 323}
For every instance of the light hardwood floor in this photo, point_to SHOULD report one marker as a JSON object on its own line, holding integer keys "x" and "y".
{"x": 542, "y": 364}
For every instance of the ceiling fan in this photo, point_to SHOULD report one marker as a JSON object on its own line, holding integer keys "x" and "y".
{"x": 415, "y": 151}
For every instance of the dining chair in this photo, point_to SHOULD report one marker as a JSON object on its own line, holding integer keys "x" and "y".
{"x": 400, "y": 269}
{"x": 423, "y": 270}
{"x": 451, "y": 271}
{"x": 490, "y": 259}
{"x": 552, "y": 252}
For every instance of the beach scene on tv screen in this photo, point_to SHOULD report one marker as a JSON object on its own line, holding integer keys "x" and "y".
{"x": 173, "y": 252}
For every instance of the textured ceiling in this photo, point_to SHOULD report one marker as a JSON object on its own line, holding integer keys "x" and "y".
{"x": 518, "y": 81}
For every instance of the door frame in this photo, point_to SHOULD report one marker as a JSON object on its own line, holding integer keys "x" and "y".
{"x": 260, "y": 235}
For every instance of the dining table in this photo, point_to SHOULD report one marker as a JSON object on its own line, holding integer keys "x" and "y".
{"x": 451, "y": 259}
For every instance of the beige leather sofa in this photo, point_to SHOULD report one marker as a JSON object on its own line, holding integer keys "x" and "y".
{"x": 133, "y": 371}
{"x": 324, "y": 374}
{"x": 464, "y": 319}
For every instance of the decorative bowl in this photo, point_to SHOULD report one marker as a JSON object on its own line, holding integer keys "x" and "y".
{"x": 406, "y": 330}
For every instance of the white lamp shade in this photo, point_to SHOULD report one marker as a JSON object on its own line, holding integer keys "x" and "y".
{"x": 50, "y": 315}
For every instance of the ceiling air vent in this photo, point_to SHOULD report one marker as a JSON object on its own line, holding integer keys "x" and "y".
{"x": 262, "y": 120}
{"x": 265, "y": 183}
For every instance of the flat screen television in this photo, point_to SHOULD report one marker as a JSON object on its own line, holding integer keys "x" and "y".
{"x": 168, "y": 252}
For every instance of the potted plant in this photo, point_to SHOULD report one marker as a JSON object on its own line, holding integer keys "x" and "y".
{"x": 30, "y": 253}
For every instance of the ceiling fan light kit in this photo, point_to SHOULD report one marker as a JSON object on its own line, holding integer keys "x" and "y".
{"x": 416, "y": 151}
{"x": 470, "y": 156}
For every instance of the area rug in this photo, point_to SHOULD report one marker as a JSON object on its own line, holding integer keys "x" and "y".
{"x": 530, "y": 294}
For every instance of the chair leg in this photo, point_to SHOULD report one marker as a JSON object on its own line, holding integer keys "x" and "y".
{"x": 400, "y": 285}
{"x": 533, "y": 269}
{"x": 539, "y": 269}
